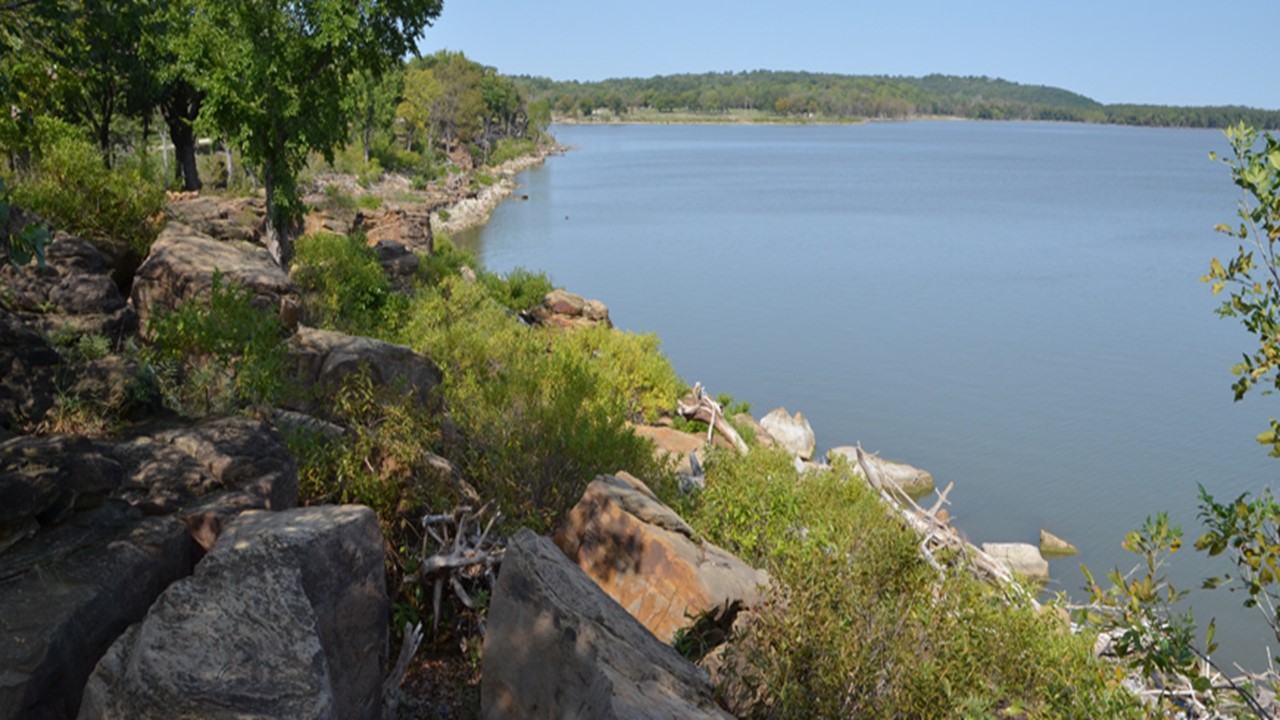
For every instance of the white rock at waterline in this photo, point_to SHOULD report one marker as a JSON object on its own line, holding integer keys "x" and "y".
{"x": 792, "y": 432}
{"x": 1021, "y": 558}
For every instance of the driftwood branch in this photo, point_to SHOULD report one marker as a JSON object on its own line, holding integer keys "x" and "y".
{"x": 935, "y": 533}
{"x": 699, "y": 405}
{"x": 464, "y": 551}
{"x": 391, "y": 694}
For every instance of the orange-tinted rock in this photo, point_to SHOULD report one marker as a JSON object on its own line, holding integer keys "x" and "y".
{"x": 567, "y": 310}
{"x": 673, "y": 445}
{"x": 648, "y": 559}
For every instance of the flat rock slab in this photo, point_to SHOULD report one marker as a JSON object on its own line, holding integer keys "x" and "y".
{"x": 646, "y": 557}
{"x": 674, "y": 446}
{"x": 558, "y": 647}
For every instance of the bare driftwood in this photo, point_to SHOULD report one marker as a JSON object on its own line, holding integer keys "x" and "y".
{"x": 699, "y": 405}
{"x": 935, "y": 532}
{"x": 465, "y": 555}
{"x": 391, "y": 694}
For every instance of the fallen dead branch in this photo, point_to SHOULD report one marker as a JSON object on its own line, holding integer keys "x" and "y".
{"x": 699, "y": 405}
{"x": 464, "y": 559}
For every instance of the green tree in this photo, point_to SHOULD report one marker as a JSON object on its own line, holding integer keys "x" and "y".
{"x": 421, "y": 99}
{"x": 276, "y": 75}
{"x": 1252, "y": 277}
{"x": 375, "y": 104}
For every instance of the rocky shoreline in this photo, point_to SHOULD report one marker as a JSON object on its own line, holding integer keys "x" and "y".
{"x": 470, "y": 212}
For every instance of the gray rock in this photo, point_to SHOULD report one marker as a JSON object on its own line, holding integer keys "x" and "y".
{"x": 324, "y": 359}
{"x": 1021, "y": 559}
{"x": 182, "y": 264}
{"x": 791, "y": 432}
{"x": 235, "y": 640}
{"x": 240, "y": 219}
{"x": 47, "y": 478}
{"x": 73, "y": 291}
{"x": 558, "y": 646}
{"x": 29, "y": 373}
{"x": 286, "y": 617}
{"x": 68, "y": 592}
{"x": 913, "y": 481}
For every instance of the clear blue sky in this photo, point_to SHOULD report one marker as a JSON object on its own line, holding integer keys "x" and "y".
{"x": 1173, "y": 52}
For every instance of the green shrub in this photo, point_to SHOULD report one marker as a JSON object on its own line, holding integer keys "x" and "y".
{"x": 369, "y": 202}
{"x": 218, "y": 354}
{"x": 538, "y": 425}
{"x": 519, "y": 289}
{"x": 69, "y": 186}
{"x": 445, "y": 260}
{"x": 344, "y": 287}
{"x": 630, "y": 367}
{"x": 338, "y": 201}
{"x": 510, "y": 149}
{"x": 370, "y": 174}
{"x": 860, "y": 626}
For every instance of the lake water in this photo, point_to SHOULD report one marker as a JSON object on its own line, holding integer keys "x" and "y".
{"x": 1012, "y": 306}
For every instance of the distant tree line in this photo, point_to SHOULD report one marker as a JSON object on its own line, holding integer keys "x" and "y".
{"x": 822, "y": 95}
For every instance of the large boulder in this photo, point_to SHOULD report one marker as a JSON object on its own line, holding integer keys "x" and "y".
{"x": 558, "y": 646}
{"x": 182, "y": 265}
{"x": 791, "y": 432}
{"x": 564, "y": 309}
{"x": 324, "y": 359}
{"x": 1021, "y": 559}
{"x": 91, "y": 532}
{"x": 913, "y": 481}
{"x": 286, "y": 617}
{"x": 69, "y": 591}
{"x": 648, "y": 559}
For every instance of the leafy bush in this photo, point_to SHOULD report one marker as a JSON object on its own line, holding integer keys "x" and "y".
{"x": 538, "y": 425}
{"x": 69, "y": 186}
{"x": 510, "y": 148}
{"x": 860, "y": 626}
{"x": 344, "y": 287}
{"x": 338, "y": 201}
{"x": 218, "y": 354}
{"x": 519, "y": 289}
{"x": 446, "y": 260}
{"x": 629, "y": 367}
{"x": 369, "y": 202}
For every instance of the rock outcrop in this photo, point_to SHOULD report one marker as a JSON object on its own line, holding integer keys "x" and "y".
{"x": 398, "y": 263}
{"x": 29, "y": 370}
{"x": 1021, "y": 559}
{"x": 241, "y": 219}
{"x": 648, "y": 559}
{"x": 558, "y": 646}
{"x": 91, "y": 532}
{"x": 673, "y": 446}
{"x": 913, "y": 481}
{"x": 411, "y": 228}
{"x": 182, "y": 264}
{"x": 564, "y": 309}
{"x": 324, "y": 359}
{"x": 286, "y": 617}
{"x": 72, "y": 293}
{"x": 791, "y": 432}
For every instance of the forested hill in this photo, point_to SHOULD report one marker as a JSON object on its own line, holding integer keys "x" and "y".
{"x": 793, "y": 95}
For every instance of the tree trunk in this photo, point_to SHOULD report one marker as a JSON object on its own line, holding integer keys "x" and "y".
{"x": 226, "y": 149}
{"x": 164, "y": 150}
{"x": 180, "y": 106}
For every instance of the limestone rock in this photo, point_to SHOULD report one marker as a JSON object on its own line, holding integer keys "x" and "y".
{"x": 557, "y": 646}
{"x": 182, "y": 264}
{"x": 1020, "y": 558}
{"x": 1051, "y": 544}
{"x": 325, "y": 359}
{"x": 46, "y": 478}
{"x": 646, "y": 557}
{"x": 913, "y": 481}
{"x": 564, "y": 309}
{"x": 792, "y": 432}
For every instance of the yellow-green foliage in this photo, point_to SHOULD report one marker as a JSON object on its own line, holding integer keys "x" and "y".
{"x": 861, "y": 627}
{"x": 70, "y": 187}
{"x": 539, "y": 420}
{"x": 510, "y": 148}
{"x": 630, "y": 366}
{"x": 344, "y": 287}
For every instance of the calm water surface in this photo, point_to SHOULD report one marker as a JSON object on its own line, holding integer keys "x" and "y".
{"x": 1012, "y": 306}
